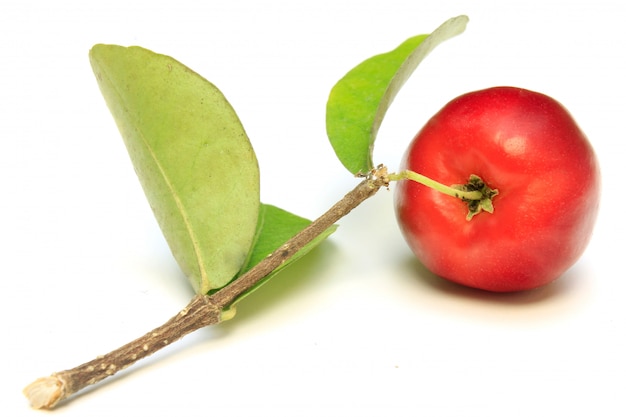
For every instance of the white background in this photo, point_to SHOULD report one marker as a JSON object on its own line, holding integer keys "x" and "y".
{"x": 358, "y": 328}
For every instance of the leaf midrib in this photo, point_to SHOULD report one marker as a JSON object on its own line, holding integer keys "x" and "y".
{"x": 202, "y": 286}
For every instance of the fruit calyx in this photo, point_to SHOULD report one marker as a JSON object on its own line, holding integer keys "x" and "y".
{"x": 475, "y": 192}
{"x": 476, "y": 205}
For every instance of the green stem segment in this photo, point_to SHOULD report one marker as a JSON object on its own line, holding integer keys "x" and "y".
{"x": 475, "y": 192}
{"x": 452, "y": 191}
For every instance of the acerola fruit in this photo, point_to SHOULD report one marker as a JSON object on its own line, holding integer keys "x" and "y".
{"x": 526, "y": 146}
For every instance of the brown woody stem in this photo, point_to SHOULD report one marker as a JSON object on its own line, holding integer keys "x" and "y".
{"x": 48, "y": 391}
{"x": 202, "y": 311}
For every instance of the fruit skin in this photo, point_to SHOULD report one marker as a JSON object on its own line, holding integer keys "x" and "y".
{"x": 528, "y": 147}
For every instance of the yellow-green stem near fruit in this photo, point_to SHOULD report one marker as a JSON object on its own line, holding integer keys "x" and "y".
{"x": 445, "y": 189}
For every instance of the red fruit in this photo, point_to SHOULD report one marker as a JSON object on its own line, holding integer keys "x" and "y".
{"x": 528, "y": 147}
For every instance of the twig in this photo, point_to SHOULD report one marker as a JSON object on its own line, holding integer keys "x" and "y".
{"x": 202, "y": 311}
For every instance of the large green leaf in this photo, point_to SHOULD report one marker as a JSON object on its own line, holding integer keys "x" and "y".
{"x": 192, "y": 156}
{"x": 358, "y": 102}
{"x": 276, "y": 226}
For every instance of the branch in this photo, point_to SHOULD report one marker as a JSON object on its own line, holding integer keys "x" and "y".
{"x": 202, "y": 311}
{"x": 47, "y": 392}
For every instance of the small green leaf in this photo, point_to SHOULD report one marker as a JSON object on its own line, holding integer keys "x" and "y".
{"x": 192, "y": 156}
{"x": 358, "y": 102}
{"x": 276, "y": 226}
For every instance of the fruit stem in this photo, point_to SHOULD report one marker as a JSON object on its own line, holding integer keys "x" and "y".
{"x": 445, "y": 189}
{"x": 475, "y": 192}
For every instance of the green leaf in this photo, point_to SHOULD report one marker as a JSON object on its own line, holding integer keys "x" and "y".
{"x": 276, "y": 226}
{"x": 358, "y": 102}
{"x": 192, "y": 156}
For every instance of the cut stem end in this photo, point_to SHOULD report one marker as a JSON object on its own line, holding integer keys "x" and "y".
{"x": 45, "y": 392}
